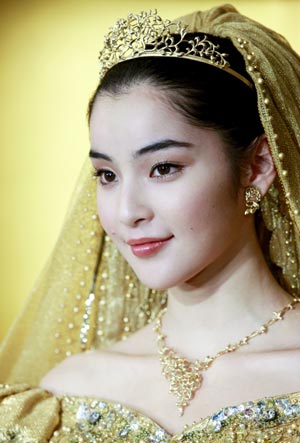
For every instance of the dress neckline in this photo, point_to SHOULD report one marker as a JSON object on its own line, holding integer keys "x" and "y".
{"x": 269, "y": 411}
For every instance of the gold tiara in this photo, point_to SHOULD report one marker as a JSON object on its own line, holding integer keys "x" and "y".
{"x": 147, "y": 35}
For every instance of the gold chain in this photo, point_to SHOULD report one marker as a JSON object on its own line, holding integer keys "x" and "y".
{"x": 186, "y": 376}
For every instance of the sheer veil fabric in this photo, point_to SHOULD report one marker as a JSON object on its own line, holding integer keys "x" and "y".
{"x": 88, "y": 297}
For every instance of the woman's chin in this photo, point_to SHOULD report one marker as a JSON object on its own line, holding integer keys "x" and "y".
{"x": 157, "y": 284}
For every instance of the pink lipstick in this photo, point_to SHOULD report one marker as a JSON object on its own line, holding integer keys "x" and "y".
{"x": 143, "y": 247}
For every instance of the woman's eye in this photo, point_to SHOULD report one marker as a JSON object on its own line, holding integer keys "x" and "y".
{"x": 164, "y": 169}
{"x": 105, "y": 176}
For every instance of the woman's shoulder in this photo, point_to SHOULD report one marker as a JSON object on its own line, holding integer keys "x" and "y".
{"x": 81, "y": 374}
{"x": 69, "y": 376}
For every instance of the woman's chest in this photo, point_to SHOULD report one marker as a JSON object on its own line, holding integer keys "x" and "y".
{"x": 141, "y": 385}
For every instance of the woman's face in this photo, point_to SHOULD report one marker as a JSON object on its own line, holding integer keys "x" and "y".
{"x": 165, "y": 193}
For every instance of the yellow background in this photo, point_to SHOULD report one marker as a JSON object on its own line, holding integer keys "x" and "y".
{"x": 48, "y": 53}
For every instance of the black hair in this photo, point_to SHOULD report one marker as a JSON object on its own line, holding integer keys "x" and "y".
{"x": 206, "y": 96}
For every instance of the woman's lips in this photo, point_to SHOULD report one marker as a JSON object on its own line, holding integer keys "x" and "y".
{"x": 146, "y": 246}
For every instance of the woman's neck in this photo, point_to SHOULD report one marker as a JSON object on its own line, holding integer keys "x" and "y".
{"x": 222, "y": 305}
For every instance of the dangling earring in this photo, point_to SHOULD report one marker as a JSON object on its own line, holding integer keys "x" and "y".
{"x": 252, "y": 199}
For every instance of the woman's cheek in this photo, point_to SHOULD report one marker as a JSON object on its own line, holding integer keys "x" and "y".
{"x": 107, "y": 215}
{"x": 196, "y": 207}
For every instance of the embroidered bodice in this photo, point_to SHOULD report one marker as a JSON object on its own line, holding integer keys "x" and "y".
{"x": 33, "y": 415}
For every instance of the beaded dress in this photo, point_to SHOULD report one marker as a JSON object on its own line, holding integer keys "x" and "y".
{"x": 87, "y": 297}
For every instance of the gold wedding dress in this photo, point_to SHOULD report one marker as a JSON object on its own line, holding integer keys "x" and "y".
{"x": 87, "y": 296}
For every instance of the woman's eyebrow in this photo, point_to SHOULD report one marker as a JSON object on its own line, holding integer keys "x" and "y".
{"x": 96, "y": 154}
{"x": 162, "y": 144}
{"x": 153, "y": 147}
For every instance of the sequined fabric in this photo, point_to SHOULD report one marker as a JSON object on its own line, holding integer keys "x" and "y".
{"x": 35, "y": 416}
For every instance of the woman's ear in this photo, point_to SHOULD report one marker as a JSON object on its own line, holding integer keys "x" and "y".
{"x": 260, "y": 169}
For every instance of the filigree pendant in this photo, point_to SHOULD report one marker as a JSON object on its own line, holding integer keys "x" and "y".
{"x": 184, "y": 376}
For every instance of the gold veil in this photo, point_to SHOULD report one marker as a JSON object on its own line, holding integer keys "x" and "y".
{"x": 87, "y": 296}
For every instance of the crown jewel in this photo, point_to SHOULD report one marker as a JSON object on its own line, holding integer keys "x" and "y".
{"x": 147, "y": 34}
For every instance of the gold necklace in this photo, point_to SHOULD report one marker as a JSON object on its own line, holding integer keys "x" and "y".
{"x": 186, "y": 376}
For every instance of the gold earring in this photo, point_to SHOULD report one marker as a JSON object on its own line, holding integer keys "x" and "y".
{"x": 252, "y": 199}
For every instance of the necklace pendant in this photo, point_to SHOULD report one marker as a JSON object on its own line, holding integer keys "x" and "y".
{"x": 185, "y": 391}
{"x": 185, "y": 380}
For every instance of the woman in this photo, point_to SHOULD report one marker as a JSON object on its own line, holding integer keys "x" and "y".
{"x": 184, "y": 160}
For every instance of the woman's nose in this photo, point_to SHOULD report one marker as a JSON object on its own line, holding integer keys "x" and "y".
{"x": 134, "y": 206}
